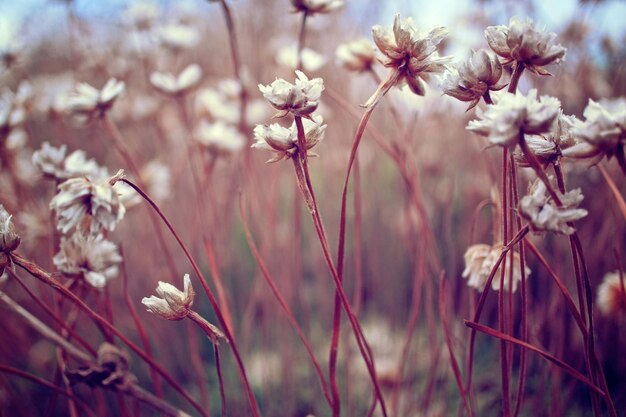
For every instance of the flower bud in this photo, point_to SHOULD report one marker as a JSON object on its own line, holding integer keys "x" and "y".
{"x": 173, "y": 304}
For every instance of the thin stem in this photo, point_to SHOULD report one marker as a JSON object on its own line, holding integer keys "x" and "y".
{"x": 301, "y": 39}
{"x": 218, "y": 312}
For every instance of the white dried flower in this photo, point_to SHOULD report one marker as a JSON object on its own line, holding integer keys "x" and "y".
{"x": 53, "y": 163}
{"x": 411, "y": 52}
{"x": 515, "y": 114}
{"x": 169, "y": 84}
{"x": 604, "y": 127}
{"x": 612, "y": 295}
{"x": 12, "y": 113}
{"x": 91, "y": 257}
{"x": 179, "y": 37}
{"x": 316, "y": 6}
{"x": 523, "y": 43}
{"x": 81, "y": 198}
{"x": 543, "y": 213}
{"x": 356, "y": 56}
{"x": 549, "y": 147}
{"x": 284, "y": 141}
{"x": 311, "y": 60}
{"x": 472, "y": 79}
{"x": 219, "y": 137}
{"x": 158, "y": 179}
{"x": 301, "y": 98}
{"x": 9, "y": 240}
{"x": 480, "y": 260}
{"x": 88, "y": 101}
{"x": 172, "y": 304}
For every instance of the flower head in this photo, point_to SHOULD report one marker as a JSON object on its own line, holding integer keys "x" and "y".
{"x": 172, "y": 85}
{"x": 411, "y": 52}
{"x": 522, "y": 42}
{"x": 88, "y": 101}
{"x": 300, "y": 98}
{"x": 172, "y": 304}
{"x": 316, "y": 6}
{"x": 356, "y": 56}
{"x": 81, "y": 199}
{"x": 480, "y": 260}
{"x": 543, "y": 213}
{"x": 549, "y": 147}
{"x": 472, "y": 79}
{"x": 91, "y": 257}
{"x": 604, "y": 127}
{"x": 515, "y": 114}
{"x": 219, "y": 137}
{"x": 9, "y": 240}
{"x": 179, "y": 37}
{"x": 284, "y": 141}
{"x": 611, "y": 294}
{"x": 311, "y": 60}
{"x": 54, "y": 163}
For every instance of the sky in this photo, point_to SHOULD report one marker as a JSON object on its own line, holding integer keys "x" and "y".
{"x": 605, "y": 17}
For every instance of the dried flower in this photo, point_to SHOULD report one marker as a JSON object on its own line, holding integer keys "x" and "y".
{"x": 219, "y": 137}
{"x": 172, "y": 85}
{"x": 521, "y": 42}
{"x": 284, "y": 141}
{"x": 612, "y": 295}
{"x": 515, "y": 114}
{"x": 356, "y": 56}
{"x": 111, "y": 370}
{"x": 9, "y": 240}
{"x": 173, "y": 304}
{"x": 88, "y": 101}
{"x": 543, "y": 213}
{"x": 301, "y": 98}
{"x": 12, "y": 112}
{"x": 413, "y": 53}
{"x": 53, "y": 163}
{"x": 480, "y": 260}
{"x": 472, "y": 79}
{"x": 82, "y": 198}
{"x": 316, "y": 6}
{"x": 604, "y": 127}
{"x": 311, "y": 60}
{"x": 91, "y": 257}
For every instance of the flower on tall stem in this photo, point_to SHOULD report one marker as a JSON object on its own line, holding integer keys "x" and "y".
{"x": 87, "y": 101}
{"x": 300, "y": 98}
{"x": 171, "y": 303}
{"x": 545, "y": 215}
{"x": 91, "y": 257}
{"x": 179, "y": 85}
{"x": 549, "y": 147}
{"x": 515, "y": 114}
{"x": 54, "y": 163}
{"x": 473, "y": 79}
{"x": 522, "y": 43}
{"x": 413, "y": 54}
{"x": 83, "y": 200}
{"x": 283, "y": 141}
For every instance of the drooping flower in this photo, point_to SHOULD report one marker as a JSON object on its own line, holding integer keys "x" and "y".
{"x": 356, "y": 56}
{"x": 169, "y": 84}
{"x": 523, "y": 43}
{"x": 80, "y": 199}
{"x": 91, "y": 257}
{"x": 300, "y": 98}
{"x": 543, "y": 213}
{"x": 171, "y": 303}
{"x": 54, "y": 163}
{"x": 316, "y": 6}
{"x": 471, "y": 80}
{"x": 284, "y": 141}
{"x": 611, "y": 297}
{"x": 480, "y": 260}
{"x": 219, "y": 137}
{"x": 604, "y": 128}
{"x": 515, "y": 114}
{"x": 88, "y": 101}
{"x": 412, "y": 53}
